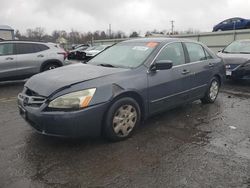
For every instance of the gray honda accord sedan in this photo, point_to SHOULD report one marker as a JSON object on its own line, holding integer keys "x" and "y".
{"x": 115, "y": 91}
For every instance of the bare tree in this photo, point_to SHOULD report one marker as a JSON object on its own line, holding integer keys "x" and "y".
{"x": 36, "y": 34}
{"x": 134, "y": 34}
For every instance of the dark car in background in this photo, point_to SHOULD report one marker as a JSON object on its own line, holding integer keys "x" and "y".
{"x": 86, "y": 53}
{"x": 77, "y": 53}
{"x": 232, "y": 24}
{"x": 120, "y": 87}
{"x": 236, "y": 57}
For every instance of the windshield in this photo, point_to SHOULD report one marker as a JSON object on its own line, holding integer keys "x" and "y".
{"x": 99, "y": 48}
{"x": 126, "y": 55}
{"x": 238, "y": 47}
{"x": 90, "y": 48}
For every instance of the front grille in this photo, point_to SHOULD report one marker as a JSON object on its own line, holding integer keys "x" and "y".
{"x": 31, "y": 98}
{"x": 29, "y": 92}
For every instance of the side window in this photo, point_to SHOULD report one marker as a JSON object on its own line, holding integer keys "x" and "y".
{"x": 196, "y": 52}
{"x": 238, "y": 20}
{"x": 42, "y": 47}
{"x": 173, "y": 52}
{"x": 208, "y": 56}
{"x": 25, "y": 48}
{"x": 6, "y": 49}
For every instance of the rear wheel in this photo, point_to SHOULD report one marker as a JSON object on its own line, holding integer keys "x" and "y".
{"x": 122, "y": 118}
{"x": 50, "y": 66}
{"x": 212, "y": 91}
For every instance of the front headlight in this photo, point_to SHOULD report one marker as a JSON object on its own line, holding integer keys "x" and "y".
{"x": 75, "y": 100}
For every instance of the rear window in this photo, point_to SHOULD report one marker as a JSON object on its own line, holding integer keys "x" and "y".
{"x": 208, "y": 55}
{"x": 42, "y": 47}
{"x": 196, "y": 52}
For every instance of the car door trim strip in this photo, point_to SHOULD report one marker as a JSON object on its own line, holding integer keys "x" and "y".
{"x": 157, "y": 100}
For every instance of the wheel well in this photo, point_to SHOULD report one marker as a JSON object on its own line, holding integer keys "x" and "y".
{"x": 50, "y": 62}
{"x": 218, "y": 77}
{"x": 134, "y": 96}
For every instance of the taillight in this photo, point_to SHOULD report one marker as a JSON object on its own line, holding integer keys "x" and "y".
{"x": 65, "y": 54}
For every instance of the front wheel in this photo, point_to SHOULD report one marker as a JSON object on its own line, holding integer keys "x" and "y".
{"x": 122, "y": 118}
{"x": 212, "y": 91}
{"x": 50, "y": 66}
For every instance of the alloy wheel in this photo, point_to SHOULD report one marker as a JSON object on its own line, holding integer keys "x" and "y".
{"x": 214, "y": 90}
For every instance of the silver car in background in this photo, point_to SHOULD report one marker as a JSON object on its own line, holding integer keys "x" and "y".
{"x": 236, "y": 57}
{"x": 22, "y": 59}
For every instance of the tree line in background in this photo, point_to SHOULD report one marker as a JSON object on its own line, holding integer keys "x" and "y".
{"x": 75, "y": 37}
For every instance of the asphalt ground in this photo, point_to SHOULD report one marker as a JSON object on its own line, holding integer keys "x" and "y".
{"x": 194, "y": 145}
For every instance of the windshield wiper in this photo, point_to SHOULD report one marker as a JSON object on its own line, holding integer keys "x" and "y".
{"x": 106, "y": 65}
{"x": 244, "y": 52}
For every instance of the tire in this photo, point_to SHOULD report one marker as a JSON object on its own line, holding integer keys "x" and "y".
{"x": 50, "y": 66}
{"x": 212, "y": 92}
{"x": 122, "y": 118}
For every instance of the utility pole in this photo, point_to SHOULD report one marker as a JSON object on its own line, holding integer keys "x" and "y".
{"x": 234, "y": 30}
{"x": 110, "y": 31}
{"x": 172, "y": 26}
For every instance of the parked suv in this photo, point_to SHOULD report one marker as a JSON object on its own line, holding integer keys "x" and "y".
{"x": 22, "y": 59}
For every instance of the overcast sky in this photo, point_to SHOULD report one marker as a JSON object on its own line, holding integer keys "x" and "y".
{"x": 126, "y": 15}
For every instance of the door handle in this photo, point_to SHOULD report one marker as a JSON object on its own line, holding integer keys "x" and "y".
{"x": 40, "y": 55}
{"x": 210, "y": 64}
{"x": 185, "y": 72}
{"x": 9, "y": 58}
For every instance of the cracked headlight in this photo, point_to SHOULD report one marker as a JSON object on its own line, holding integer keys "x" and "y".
{"x": 74, "y": 100}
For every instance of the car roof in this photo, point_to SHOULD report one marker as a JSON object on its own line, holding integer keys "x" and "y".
{"x": 6, "y": 27}
{"x": 242, "y": 40}
{"x": 233, "y": 18}
{"x": 160, "y": 40}
{"x": 22, "y": 41}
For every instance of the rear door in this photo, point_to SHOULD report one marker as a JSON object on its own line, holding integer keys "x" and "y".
{"x": 29, "y": 58}
{"x": 201, "y": 64}
{"x": 7, "y": 61}
{"x": 169, "y": 88}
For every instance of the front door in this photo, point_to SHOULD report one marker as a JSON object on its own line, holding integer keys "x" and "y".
{"x": 169, "y": 88}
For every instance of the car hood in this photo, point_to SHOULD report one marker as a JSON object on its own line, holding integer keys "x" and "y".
{"x": 234, "y": 58}
{"x": 92, "y": 51}
{"x": 48, "y": 82}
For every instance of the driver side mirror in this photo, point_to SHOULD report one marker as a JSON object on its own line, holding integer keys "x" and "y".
{"x": 161, "y": 65}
